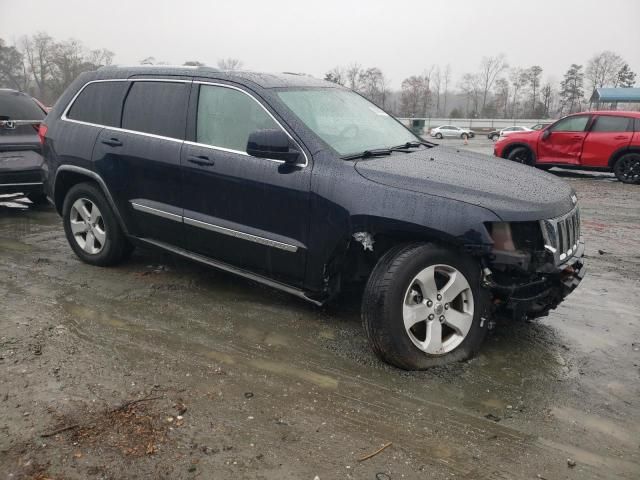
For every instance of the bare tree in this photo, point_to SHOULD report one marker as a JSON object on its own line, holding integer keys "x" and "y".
{"x": 547, "y": 99}
{"x": 336, "y": 75}
{"x": 414, "y": 96}
{"x": 518, "y": 79}
{"x": 446, "y": 79}
{"x": 230, "y": 64}
{"x": 490, "y": 68}
{"x": 602, "y": 69}
{"x": 471, "y": 86}
{"x": 353, "y": 75}
{"x": 437, "y": 87}
{"x": 502, "y": 97}
{"x": 38, "y": 56}
{"x": 13, "y": 72}
{"x": 533, "y": 75}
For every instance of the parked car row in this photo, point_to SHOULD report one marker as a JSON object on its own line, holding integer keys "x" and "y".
{"x": 505, "y": 132}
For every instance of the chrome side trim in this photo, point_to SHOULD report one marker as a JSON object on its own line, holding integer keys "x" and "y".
{"x": 228, "y": 268}
{"x": 103, "y": 186}
{"x": 241, "y": 235}
{"x": 155, "y": 211}
{"x": 20, "y": 184}
{"x": 224, "y": 85}
{"x": 230, "y": 150}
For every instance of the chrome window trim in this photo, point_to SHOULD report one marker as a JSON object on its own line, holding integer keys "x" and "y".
{"x": 232, "y": 87}
{"x": 215, "y": 228}
{"x": 65, "y": 118}
{"x": 158, "y": 212}
{"x": 27, "y": 184}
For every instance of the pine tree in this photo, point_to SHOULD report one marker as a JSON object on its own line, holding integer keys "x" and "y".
{"x": 572, "y": 89}
{"x": 626, "y": 78}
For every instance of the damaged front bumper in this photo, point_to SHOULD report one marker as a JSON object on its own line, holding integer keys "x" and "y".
{"x": 541, "y": 292}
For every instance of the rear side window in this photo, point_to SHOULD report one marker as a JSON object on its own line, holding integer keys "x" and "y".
{"x": 158, "y": 108}
{"x": 226, "y": 118}
{"x": 99, "y": 103}
{"x": 608, "y": 123}
{"x": 18, "y": 106}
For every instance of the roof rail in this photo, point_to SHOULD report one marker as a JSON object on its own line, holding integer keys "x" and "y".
{"x": 188, "y": 67}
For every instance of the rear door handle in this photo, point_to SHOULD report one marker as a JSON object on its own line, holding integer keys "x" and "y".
{"x": 621, "y": 137}
{"x": 112, "y": 142}
{"x": 201, "y": 160}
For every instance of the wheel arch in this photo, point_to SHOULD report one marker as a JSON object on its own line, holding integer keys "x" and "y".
{"x": 509, "y": 148}
{"x": 620, "y": 152}
{"x": 69, "y": 175}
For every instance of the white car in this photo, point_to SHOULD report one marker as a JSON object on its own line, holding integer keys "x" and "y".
{"x": 451, "y": 131}
{"x": 505, "y": 132}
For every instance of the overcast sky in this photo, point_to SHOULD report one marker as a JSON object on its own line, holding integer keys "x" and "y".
{"x": 401, "y": 37}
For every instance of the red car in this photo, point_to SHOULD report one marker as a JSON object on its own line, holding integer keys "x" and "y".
{"x": 605, "y": 141}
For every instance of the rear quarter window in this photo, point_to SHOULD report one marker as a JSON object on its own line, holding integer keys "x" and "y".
{"x": 159, "y": 108}
{"x": 18, "y": 106}
{"x": 99, "y": 103}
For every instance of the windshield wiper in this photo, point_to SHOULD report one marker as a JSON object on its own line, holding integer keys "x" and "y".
{"x": 373, "y": 152}
{"x": 410, "y": 145}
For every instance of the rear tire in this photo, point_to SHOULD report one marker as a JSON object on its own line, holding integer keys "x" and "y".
{"x": 400, "y": 278}
{"x": 627, "y": 168}
{"x": 91, "y": 227}
{"x": 464, "y": 136}
{"x": 521, "y": 155}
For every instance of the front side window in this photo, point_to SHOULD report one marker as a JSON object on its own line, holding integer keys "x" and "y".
{"x": 608, "y": 123}
{"x": 226, "y": 118}
{"x": 571, "y": 124}
{"x": 344, "y": 120}
{"x": 99, "y": 103}
{"x": 158, "y": 108}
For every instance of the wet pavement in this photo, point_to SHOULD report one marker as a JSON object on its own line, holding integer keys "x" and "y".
{"x": 234, "y": 380}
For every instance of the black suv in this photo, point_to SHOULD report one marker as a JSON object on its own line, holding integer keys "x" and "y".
{"x": 305, "y": 186}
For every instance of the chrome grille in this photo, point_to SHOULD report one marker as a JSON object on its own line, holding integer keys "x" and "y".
{"x": 562, "y": 234}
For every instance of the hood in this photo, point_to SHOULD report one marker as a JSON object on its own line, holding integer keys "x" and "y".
{"x": 512, "y": 191}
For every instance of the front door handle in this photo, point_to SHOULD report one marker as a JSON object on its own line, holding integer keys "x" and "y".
{"x": 112, "y": 142}
{"x": 577, "y": 137}
{"x": 201, "y": 160}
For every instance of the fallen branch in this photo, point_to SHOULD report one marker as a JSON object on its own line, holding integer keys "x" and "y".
{"x": 133, "y": 402}
{"x": 367, "y": 457}
{"x": 60, "y": 430}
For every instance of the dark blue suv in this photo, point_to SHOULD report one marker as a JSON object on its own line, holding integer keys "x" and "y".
{"x": 306, "y": 186}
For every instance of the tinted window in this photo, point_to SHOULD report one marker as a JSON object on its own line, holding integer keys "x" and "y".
{"x": 226, "y": 117}
{"x": 99, "y": 103}
{"x": 571, "y": 124}
{"x": 612, "y": 124}
{"x": 18, "y": 106}
{"x": 156, "y": 107}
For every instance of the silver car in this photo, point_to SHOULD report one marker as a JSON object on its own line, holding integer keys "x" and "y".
{"x": 451, "y": 131}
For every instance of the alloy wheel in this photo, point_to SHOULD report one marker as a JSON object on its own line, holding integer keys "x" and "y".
{"x": 87, "y": 226}
{"x": 628, "y": 169}
{"x": 438, "y": 309}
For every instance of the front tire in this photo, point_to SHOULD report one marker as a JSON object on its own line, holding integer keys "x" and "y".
{"x": 439, "y": 136}
{"x": 464, "y": 136}
{"x": 521, "y": 155}
{"x": 627, "y": 168}
{"x": 91, "y": 227}
{"x": 422, "y": 307}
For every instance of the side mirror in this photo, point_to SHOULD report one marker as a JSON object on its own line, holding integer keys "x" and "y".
{"x": 272, "y": 143}
{"x": 546, "y": 134}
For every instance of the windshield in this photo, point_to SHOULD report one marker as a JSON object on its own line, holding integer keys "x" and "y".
{"x": 345, "y": 120}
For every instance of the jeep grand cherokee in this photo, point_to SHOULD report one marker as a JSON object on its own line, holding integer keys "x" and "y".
{"x": 305, "y": 186}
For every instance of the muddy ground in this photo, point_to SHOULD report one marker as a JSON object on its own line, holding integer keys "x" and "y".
{"x": 161, "y": 368}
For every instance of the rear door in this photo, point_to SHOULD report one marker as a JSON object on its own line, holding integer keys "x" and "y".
{"x": 608, "y": 134}
{"x": 249, "y": 212}
{"x": 562, "y": 141}
{"x": 140, "y": 161}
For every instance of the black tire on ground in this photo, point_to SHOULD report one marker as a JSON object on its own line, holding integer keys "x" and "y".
{"x": 494, "y": 137}
{"x": 383, "y": 300}
{"x": 627, "y": 168}
{"x": 521, "y": 155}
{"x": 116, "y": 247}
{"x": 464, "y": 136}
{"x": 37, "y": 198}
{"x": 439, "y": 136}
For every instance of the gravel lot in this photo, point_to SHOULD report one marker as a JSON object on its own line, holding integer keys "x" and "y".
{"x": 161, "y": 368}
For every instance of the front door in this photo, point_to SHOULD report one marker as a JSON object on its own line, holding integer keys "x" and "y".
{"x": 561, "y": 143}
{"x": 141, "y": 158}
{"x": 249, "y": 212}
